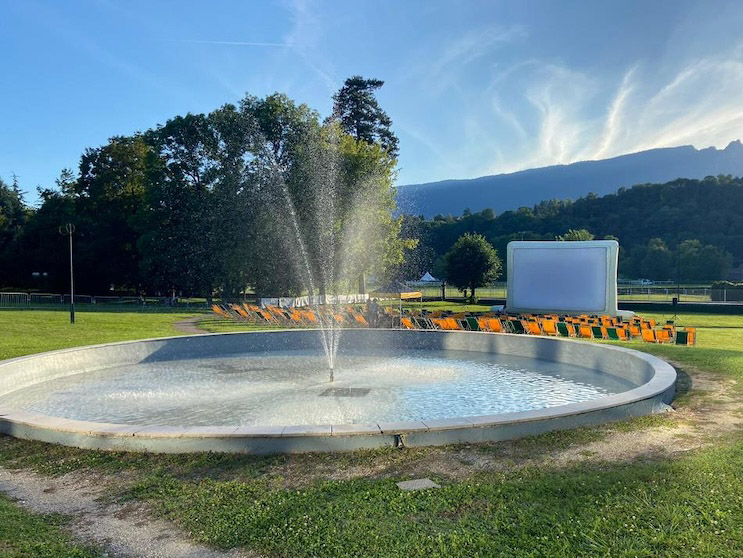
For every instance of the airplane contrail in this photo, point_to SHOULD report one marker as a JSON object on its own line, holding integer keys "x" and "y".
{"x": 237, "y": 43}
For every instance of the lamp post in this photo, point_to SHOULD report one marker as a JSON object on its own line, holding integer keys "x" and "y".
{"x": 69, "y": 230}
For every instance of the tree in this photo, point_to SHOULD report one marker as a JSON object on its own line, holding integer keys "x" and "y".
{"x": 361, "y": 116}
{"x": 471, "y": 263}
{"x": 177, "y": 247}
{"x": 576, "y": 234}
{"x": 657, "y": 263}
{"x": 700, "y": 262}
{"x": 13, "y": 218}
{"x": 109, "y": 198}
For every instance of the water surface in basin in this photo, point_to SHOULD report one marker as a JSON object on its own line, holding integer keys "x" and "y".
{"x": 292, "y": 387}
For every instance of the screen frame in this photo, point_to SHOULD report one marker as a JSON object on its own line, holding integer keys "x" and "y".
{"x": 611, "y": 253}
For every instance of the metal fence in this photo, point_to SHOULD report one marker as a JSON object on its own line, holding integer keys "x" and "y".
{"x": 52, "y": 300}
{"x": 664, "y": 293}
{"x": 495, "y": 291}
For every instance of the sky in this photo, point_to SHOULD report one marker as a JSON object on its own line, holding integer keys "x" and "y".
{"x": 473, "y": 87}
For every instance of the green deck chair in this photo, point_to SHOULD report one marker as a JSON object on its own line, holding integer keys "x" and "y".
{"x": 682, "y": 338}
{"x": 472, "y": 324}
{"x": 597, "y": 333}
{"x": 612, "y": 333}
{"x": 562, "y": 329}
{"x": 517, "y": 326}
{"x": 422, "y": 323}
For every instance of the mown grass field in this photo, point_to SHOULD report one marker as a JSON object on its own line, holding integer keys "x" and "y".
{"x": 300, "y": 506}
{"x": 24, "y": 332}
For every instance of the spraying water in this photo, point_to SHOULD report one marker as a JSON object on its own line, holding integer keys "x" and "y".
{"x": 324, "y": 230}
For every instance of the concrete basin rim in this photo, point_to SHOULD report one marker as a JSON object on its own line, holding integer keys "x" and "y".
{"x": 663, "y": 379}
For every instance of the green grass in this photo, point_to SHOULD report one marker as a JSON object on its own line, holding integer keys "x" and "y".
{"x": 32, "y": 331}
{"x": 23, "y": 534}
{"x": 719, "y": 347}
{"x": 688, "y": 507}
{"x": 26, "y": 535}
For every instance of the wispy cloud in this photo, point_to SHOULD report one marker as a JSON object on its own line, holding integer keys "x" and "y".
{"x": 306, "y": 35}
{"x": 616, "y": 117}
{"x": 471, "y": 46}
{"x": 698, "y": 103}
{"x": 234, "y": 43}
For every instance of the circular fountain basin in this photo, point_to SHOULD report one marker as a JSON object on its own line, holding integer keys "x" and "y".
{"x": 269, "y": 392}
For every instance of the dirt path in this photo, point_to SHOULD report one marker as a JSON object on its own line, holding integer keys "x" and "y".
{"x": 190, "y": 325}
{"x": 122, "y": 530}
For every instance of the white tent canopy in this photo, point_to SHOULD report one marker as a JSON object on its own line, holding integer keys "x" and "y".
{"x": 428, "y": 278}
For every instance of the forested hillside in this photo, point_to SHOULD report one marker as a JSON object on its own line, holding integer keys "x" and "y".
{"x": 702, "y": 219}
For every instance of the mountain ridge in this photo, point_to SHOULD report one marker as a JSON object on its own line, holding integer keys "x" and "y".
{"x": 527, "y": 187}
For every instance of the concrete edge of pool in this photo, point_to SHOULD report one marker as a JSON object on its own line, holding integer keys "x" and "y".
{"x": 654, "y": 377}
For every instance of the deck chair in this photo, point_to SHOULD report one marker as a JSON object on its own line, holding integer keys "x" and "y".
{"x": 648, "y": 335}
{"x": 532, "y": 328}
{"x": 407, "y": 323}
{"x": 495, "y": 325}
{"x": 278, "y": 313}
{"x": 692, "y": 331}
{"x": 516, "y": 326}
{"x": 682, "y": 338}
{"x": 439, "y": 323}
{"x": 584, "y": 332}
{"x": 296, "y": 318}
{"x": 549, "y": 327}
{"x": 310, "y": 317}
{"x": 664, "y": 336}
{"x": 598, "y": 332}
{"x": 242, "y": 313}
{"x": 219, "y": 311}
{"x": 360, "y": 319}
{"x": 423, "y": 323}
{"x": 562, "y": 329}
{"x": 472, "y": 324}
{"x": 612, "y": 333}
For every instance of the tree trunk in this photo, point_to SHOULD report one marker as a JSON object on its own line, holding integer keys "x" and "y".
{"x": 362, "y": 283}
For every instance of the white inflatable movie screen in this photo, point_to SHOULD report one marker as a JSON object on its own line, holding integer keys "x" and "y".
{"x": 563, "y": 277}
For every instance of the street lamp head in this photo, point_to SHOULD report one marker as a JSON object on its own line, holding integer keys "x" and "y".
{"x": 67, "y": 229}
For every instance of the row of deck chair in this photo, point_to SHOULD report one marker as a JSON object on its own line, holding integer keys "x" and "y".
{"x": 613, "y": 329}
{"x": 346, "y": 316}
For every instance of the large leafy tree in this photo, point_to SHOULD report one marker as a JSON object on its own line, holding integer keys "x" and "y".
{"x": 14, "y": 216}
{"x": 360, "y": 115}
{"x": 260, "y": 194}
{"x": 177, "y": 244}
{"x": 109, "y": 199}
{"x": 471, "y": 263}
{"x": 42, "y": 248}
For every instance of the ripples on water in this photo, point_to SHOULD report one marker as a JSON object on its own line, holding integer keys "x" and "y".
{"x": 285, "y": 388}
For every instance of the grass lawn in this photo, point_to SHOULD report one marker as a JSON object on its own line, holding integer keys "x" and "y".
{"x": 348, "y": 504}
{"x": 33, "y": 331}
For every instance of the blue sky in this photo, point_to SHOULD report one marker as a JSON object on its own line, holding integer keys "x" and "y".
{"x": 473, "y": 88}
